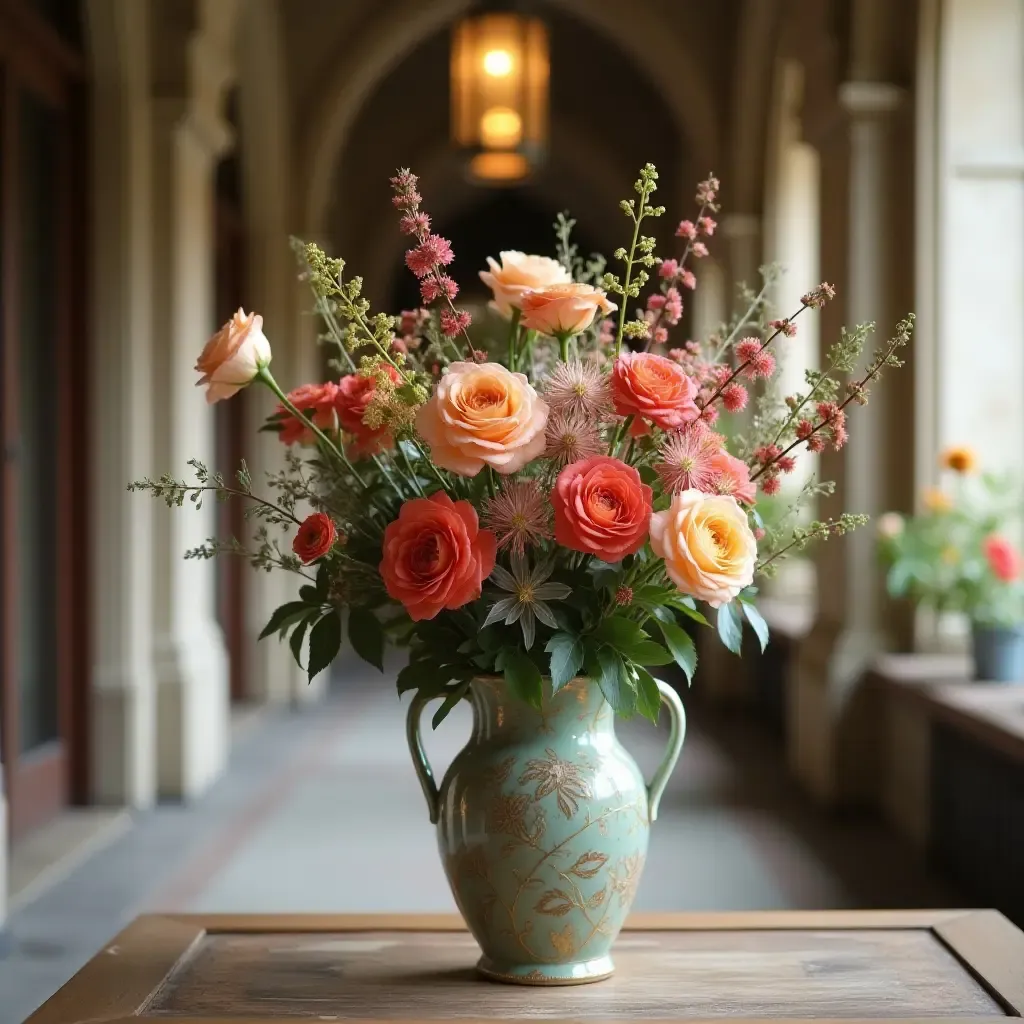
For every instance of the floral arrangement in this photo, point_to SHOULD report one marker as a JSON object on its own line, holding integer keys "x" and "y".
{"x": 556, "y": 501}
{"x": 954, "y": 556}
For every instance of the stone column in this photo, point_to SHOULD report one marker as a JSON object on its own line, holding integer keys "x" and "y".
{"x": 3, "y": 854}
{"x": 191, "y": 660}
{"x": 827, "y": 744}
{"x": 122, "y": 700}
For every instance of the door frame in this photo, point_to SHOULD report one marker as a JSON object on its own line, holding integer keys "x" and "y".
{"x": 34, "y": 59}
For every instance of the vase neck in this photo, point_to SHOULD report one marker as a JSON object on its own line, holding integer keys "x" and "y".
{"x": 579, "y": 706}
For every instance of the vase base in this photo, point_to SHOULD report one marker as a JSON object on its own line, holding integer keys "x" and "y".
{"x": 581, "y": 973}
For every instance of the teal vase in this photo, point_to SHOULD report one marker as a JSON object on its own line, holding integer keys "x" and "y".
{"x": 543, "y": 821}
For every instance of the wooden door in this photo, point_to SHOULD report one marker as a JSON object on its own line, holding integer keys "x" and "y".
{"x": 42, "y": 389}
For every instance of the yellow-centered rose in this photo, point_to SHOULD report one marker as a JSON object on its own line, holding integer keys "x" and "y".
{"x": 480, "y": 416}
{"x": 518, "y": 273}
{"x": 708, "y": 546}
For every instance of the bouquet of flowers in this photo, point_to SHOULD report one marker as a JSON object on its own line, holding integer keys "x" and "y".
{"x": 954, "y": 556}
{"x": 553, "y": 503}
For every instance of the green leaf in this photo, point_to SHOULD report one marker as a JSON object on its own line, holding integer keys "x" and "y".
{"x": 756, "y": 620}
{"x": 450, "y": 701}
{"x": 427, "y": 678}
{"x": 648, "y": 697}
{"x": 491, "y": 639}
{"x": 681, "y": 644}
{"x": 324, "y": 643}
{"x": 730, "y": 626}
{"x": 309, "y": 594}
{"x": 649, "y": 653}
{"x": 523, "y": 677}
{"x": 690, "y": 612}
{"x": 295, "y": 640}
{"x": 284, "y": 616}
{"x": 366, "y": 636}
{"x": 619, "y": 632}
{"x": 566, "y": 653}
{"x": 615, "y": 683}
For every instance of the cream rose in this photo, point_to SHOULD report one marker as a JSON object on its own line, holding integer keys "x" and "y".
{"x": 708, "y": 546}
{"x": 517, "y": 274}
{"x": 564, "y": 308}
{"x": 483, "y": 415}
{"x": 233, "y": 356}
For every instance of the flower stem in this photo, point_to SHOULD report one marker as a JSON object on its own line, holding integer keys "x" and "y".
{"x": 629, "y": 274}
{"x": 513, "y": 338}
{"x": 563, "y": 346}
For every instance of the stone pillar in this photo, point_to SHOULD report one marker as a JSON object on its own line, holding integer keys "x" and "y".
{"x": 191, "y": 660}
{"x": 122, "y": 699}
{"x": 3, "y": 854}
{"x": 828, "y": 746}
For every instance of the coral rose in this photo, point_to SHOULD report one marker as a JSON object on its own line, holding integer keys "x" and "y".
{"x": 483, "y": 415}
{"x": 601, "y": 507}
{"x": 436, "y": 556}
{"x": 517, "y": 274}
{"x": 354, "y": 394}
{"x": 561, "y": 309}
{"x": 653, "y": 388}
{"x": 708, "y": 546}
{"x": 317, "y": 402}
{"x": 1002, "y": 557}
{"x": 315, "y": 538}
{"x": 732, "y": 476}
{"x": 233, "y": 356}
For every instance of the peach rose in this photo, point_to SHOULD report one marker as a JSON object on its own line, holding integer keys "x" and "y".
{"x": 732, "y": 476}
{"x": 483, "y": 415}
{"x": 653, "y": 388}
{"x": 564, "y": 308}
{"x": 708, "y": 546}
{"x": 519, "y": 273}
{"x": 601, "y": 507}
{"x": 233, "y": 356}
{"x": 355, "y": 392}
{"x": 436, "y": 556}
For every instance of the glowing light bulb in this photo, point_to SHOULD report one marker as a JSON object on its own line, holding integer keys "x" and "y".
{"x": 501, "y": 128}
{"x": 498, "y": 63}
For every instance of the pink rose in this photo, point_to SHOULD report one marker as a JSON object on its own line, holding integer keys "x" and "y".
{"x": 732, "y": 477}
{"x": 653, "y": 388}
{"x": 233, "y": 357}
{"x": 564, "y": 308}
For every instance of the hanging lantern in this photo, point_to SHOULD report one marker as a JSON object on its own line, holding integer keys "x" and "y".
{"x": 499, "y": 89}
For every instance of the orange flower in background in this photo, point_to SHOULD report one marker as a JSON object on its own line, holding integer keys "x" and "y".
{"x": 564, "y": 308}
{"x": 518, "y": 273}
{"x": 601, "y": 507}
{"x": 315, "y": 538}
{"x": 653, "y": 388}
{"x": 483, "y": 415}
{"x": 935, "y": 500}
{"x": 959, "y": 459}
{"x": 316, "y": 401}
{"x": 436, "y": 556}
{"x": 707, "y": 544}
{"x": 233, "y": 356}
{"x": 1002, "y": 557}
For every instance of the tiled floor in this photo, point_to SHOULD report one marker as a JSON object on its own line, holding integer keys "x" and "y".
{"x": 320, "y": 811}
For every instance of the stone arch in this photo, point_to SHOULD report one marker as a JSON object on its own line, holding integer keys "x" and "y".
{"x": 383, "y": 44}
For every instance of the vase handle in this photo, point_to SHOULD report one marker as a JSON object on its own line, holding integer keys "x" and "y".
{"x": 677, "y": 733}
{"x": 419, "y": 756}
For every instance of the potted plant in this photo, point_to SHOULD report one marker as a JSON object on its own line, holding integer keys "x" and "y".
{"x": 954, "y": 556}
{"x": 537, "y": 532}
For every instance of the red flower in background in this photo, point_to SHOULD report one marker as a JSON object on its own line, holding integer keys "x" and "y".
{"x": 1003, "y": 558}
{"x": 315, "y": 538}
{"x": 317, "y": 401}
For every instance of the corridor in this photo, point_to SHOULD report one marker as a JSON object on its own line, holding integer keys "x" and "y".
{"x": 320, "y": 811}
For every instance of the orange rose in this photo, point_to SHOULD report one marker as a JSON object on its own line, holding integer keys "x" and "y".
{"x": 483, "y": 415}
{"x": 564, "y": 308}
{"x": 315, "y": 538}
{"x": 517, "y": 274}
{"x": 233, "y": 356}
{"x": 708, "y": 546}
{"x": 436, "y": 556}
{"x": 653, "y": 388}
{"x": 601, "y": 507}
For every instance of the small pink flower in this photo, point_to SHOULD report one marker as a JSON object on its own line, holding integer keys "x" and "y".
{"x": 399, "y": 345}
{"x": 415, "y": 224}
{"x": 454, "y": 321}
{"x": 673, "y": 306}
{"x": 786, "y": 327}
{"x": 687, "y": 459}
{"x": 817, "y": 297}
{"x": 786, "y": 463}
{"x": 606, "y": 331}
{"x": 432, "y": 252}
{"x": 709, "y": 414}
{"x": 668, "y": 269}
{"x": 708, "y": 225}
{"x": 747, "y": 349}
{"x": 759, "y": 533}
{"x": 687, "y": 229}
{"x": 804, "y": 429}
{"x": 688, "y": 279}
{"x": 656, "y": 301}
{"x": 677, "y": 355}
{"x": 660, "y": 335}
{"x": 732, "y": 476}
{"x": 579, "y": 388}
{"x": 816, "y": 443}
{"x": 734, "y": 397}
{"x": 700, "y": 250}
{"x": 771, "y": 484}
{"x": 1002, "y": 557}
{"x": 413, "y": 321}
{"x": 436, "y": 285}
{"x": 519, "y": 516}
{"x": 767, "y": 453}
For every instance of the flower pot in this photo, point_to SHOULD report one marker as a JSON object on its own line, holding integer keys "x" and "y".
{"x": 998, "y": 653}
{"x": 543, "y": 821}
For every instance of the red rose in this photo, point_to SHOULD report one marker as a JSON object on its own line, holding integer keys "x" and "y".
{"x": 315, "y": 538}
{"x": 436, "y": 556}
{"x": 354, "y": 394}
{"x": 317, "y": 401}
{"x": 601, "y": 507}
{"x": 653, "y": 388}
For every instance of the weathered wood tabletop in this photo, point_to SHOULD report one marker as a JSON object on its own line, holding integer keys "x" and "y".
{"x": 860, "y": 965}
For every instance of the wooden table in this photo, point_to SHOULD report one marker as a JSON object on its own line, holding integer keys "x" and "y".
{"x": 878, "y": 965}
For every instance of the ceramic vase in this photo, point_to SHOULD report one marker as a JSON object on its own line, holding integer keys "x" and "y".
{"x": 998, "y": 653}
{"x": 543, "y": 822}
